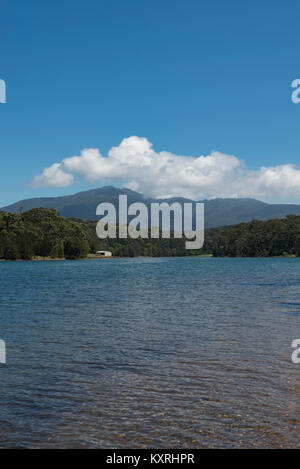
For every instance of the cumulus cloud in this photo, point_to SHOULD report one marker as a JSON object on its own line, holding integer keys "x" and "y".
{"x": 136, "y": 165}
{"x": 54, "y": 176}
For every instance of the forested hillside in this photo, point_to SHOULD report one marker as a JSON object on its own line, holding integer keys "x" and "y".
{"x": 42, "y": 232}
{"x": 278, "y": 237}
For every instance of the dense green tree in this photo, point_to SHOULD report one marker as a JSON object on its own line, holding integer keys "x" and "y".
{"x": 40, "y": 232}
{"x": 276, "y": 237}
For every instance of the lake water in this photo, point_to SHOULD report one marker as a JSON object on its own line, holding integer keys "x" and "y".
{"x": 150, "y": 353}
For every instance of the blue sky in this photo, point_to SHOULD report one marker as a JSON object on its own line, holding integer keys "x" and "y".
{"x": 192, "y": 77}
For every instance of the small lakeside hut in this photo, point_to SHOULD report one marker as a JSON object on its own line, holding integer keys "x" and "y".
{"x": 104, "y": 253}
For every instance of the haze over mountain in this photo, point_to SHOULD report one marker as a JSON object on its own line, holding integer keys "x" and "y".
{"x": 218, "y": 212}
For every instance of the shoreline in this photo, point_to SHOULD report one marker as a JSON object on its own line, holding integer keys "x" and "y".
{"x": 43, "y": 259}
{"x": 93, "y": 257}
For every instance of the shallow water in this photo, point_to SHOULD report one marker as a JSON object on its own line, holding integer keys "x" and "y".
{"x": 150, "y": 353}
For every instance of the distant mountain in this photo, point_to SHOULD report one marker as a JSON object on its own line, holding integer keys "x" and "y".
{"x": 81, "y": 205}
{"x": 218, "y": 212}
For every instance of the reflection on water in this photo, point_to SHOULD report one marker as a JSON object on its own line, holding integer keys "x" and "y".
{"x": 157, "y": 353}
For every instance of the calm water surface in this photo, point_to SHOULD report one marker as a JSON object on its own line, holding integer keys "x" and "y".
{"x": 157, "y": 353}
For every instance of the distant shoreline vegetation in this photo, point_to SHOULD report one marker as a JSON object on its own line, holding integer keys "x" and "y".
{"x": 42, "y": 233}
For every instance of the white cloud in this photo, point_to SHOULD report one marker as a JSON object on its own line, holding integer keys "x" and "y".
{"x": 135, "y": 164}
{"x": 54, "y": 176}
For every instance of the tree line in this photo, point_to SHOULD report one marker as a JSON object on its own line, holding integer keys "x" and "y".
{"x": 277, "y": 237}
{"x": 42, "y": 232}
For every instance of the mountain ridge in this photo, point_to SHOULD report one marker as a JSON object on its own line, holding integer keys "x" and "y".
{"x": 218, "y": 212}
